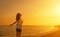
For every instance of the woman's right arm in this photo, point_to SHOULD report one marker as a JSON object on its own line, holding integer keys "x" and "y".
{"x": 12, "y": 23}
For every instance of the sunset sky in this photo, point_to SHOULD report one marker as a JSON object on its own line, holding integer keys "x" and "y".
{"x": 34, "y": 12}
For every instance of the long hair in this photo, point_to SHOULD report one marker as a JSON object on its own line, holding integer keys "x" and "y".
{"x": 18, "y": 16}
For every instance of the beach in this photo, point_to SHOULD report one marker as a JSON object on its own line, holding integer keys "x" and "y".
{"x": 30, "y": 31}
{"x": 53, "y": 34}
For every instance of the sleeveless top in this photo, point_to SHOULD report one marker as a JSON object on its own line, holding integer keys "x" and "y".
{"x": 19, "y": 24}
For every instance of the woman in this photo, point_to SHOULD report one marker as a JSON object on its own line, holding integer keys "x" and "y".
{"x": 18, "y": 25}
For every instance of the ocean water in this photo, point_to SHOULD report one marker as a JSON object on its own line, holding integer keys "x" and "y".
{"x": 27, "y": 31}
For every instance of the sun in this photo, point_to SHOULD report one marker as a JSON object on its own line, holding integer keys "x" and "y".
{"x": 58, "y": 10}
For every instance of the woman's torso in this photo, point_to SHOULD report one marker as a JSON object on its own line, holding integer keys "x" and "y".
{"x": 19, "y": 24}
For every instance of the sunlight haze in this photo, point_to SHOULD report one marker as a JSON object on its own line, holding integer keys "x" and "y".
{"x": 34, "y": 12}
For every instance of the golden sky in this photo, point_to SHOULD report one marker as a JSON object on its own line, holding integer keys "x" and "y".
{"x": 34, "y": 12}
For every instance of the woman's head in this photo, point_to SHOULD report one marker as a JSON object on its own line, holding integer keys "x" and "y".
{"x": 18, "y": 16}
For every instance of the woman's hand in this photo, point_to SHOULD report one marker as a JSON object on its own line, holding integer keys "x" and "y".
{"x": 10, "y": 25}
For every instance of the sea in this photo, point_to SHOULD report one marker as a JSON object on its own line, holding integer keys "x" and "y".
{"x": 27, "y": 30}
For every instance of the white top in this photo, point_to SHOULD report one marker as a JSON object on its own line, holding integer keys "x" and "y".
{"x": 19, "y": 24}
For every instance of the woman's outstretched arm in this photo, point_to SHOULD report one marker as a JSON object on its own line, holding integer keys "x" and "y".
{"x": 12, "y": 23}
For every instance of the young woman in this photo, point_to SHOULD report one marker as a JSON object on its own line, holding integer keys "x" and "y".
{"x": 18, "y": 25}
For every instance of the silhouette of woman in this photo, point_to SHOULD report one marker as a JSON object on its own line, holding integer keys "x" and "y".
{"x": 19, "y": 22}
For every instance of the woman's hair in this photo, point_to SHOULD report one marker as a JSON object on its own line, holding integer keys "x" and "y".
{"x": 18, "y": 16}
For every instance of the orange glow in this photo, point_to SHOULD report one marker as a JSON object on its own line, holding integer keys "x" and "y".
{"x": 35, "y": 12}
